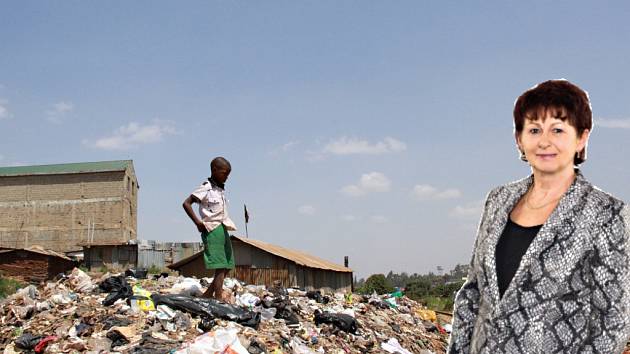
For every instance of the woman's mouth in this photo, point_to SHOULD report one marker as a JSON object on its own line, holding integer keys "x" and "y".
{"x": 546, "y": 156}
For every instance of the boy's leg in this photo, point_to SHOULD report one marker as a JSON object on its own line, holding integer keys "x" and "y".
{"x": 217, "y": 282}
{"x": 209, "y": 292}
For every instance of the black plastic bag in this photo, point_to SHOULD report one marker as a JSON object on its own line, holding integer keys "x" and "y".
{"x": 83, "y": 329}
{"x": 341, "y": 321}
{"x": 117, "y": 288}
{"x": 150, "y": 345}
{"x": 27, "y": 341}
{"x": 208, "y": 308}
{"x": 117, "y": 338}
{"x": 206, "y": 324}
{"x": 314, "y": 295}
{"x": 110, "y": 322}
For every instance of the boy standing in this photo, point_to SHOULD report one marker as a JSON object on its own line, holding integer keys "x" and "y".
{"x": 214, "y": 224}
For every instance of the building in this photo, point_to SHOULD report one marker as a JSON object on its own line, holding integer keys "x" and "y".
{"x": 61, "y": 207}
{"x": 33, "y": 264}
{"x": 259, "y": 263}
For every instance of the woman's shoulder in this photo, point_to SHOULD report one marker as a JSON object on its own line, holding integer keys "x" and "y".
{"x": 600, "y": 197}
{"x": 517, "y": 186}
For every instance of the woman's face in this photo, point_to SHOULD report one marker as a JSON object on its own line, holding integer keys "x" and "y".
{"x": 550, "y": 144}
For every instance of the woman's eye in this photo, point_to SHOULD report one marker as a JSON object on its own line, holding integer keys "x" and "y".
{"x": 558, "y": 130}
{"x": 534, "y": 131}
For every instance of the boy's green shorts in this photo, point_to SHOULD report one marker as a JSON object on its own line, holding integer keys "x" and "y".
{"x": 217, "y": 249}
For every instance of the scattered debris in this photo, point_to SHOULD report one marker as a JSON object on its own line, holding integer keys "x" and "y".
{"x": 118, "y": 313}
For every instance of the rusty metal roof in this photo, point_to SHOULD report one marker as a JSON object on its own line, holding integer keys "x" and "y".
{"x": 298, "y": 257}
{"x": 39, "y": 250}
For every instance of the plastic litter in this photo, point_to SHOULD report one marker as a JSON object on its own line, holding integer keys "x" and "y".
{"x": 427, "y": 315}
{"x": 140, "y": 273}
{"x": 393, "y": 346}
{"x": 80, "y": 281}
{"x": 209, "y": 308}
{"x": 206, "y": 324}
{"x": 141, "y": 299}
{"x": 268, "y": 314}
{"x": 247, "y": 300}
{"x": 187, "y": 286}
{"x": 317, "y": 296}
{"x": 219, "y": 341}
{"x": 341, "y": 321}
{"x": 117, "y": 288}
{"x": 27, "y": 341}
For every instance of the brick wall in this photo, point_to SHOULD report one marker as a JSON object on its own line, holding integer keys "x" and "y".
{"x": 59, "y": 211}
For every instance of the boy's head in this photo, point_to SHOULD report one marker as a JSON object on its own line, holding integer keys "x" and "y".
{"x": 220, "y": 169}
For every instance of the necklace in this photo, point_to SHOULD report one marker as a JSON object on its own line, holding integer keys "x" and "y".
{"x": 541, "y": 206}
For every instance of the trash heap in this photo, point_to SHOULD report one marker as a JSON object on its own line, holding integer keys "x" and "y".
{"x": 165, "y": 314}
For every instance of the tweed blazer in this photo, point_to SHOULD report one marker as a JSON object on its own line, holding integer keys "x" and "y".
{"x": 571, "y": 292}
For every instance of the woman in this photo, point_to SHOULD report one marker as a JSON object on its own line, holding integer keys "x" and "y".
{"x": 550, "y": 271}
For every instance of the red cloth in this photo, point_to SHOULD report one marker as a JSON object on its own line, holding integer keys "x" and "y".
{"x": 39, "y": 348}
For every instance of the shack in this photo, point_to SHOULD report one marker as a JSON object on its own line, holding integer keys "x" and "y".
{"x": 33, "y": 264}
{"x": 262, "y": 263}
{"x": 115, "y": 256}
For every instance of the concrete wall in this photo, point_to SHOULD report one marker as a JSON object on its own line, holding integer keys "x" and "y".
{"x": 58, "y": 211}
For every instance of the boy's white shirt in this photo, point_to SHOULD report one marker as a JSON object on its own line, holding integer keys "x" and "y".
{"x": 213, "y": 206}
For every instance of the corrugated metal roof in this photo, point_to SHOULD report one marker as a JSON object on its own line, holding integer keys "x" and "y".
{"x": 39, "y": 250}
{"x": 81, "y": 167}
{"x": 298, "y": 257}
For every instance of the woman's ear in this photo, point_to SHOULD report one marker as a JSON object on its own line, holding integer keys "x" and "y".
{"x": 583, "y": 140}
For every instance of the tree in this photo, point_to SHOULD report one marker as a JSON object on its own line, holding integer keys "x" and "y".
{"x": 378, "y": 283}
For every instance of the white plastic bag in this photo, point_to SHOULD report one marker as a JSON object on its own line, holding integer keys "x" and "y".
{"x": 219, "y": 341}
{"x": 188, "y": 286}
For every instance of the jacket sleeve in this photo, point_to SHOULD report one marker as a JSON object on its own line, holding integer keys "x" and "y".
{"x": 610, "y": 304}
{"x": 466, "y": 306}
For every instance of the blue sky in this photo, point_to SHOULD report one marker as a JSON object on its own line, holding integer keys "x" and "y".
{"x": 367, "y": 129}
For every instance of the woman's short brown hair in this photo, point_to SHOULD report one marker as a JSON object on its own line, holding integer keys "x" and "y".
{"x": 569, "y": 102}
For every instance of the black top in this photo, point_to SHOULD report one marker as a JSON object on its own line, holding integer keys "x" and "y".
{"x": 511, "y": 248}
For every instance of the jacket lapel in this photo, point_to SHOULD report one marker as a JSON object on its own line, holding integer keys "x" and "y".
{"x": 559, "y": 226}
{"x": 506, "y": 201}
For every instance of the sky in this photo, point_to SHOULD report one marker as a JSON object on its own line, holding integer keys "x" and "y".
{"x": 371, "y": 130}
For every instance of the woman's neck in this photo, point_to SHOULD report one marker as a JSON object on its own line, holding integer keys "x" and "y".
{"x": 553, "y": 184}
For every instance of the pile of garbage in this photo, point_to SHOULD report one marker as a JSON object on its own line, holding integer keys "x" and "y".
{"x": 166, "y": 314}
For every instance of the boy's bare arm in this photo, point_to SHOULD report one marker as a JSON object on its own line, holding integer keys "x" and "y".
{"x": 191, "y": 214}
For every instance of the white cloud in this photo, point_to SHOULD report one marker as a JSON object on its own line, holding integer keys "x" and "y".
{"x": 286, "y": 147}
{"x": 306, "y": 210}
{"x": 368, "y": 183}
{"x": 4, "y": 111}
{"x": 58, "y": 111}
{"x": 350, "y": 146}
{"x": 613, "y": 123}
{"x": 471, "y": 210}
{"x": 349, "y": 218}
{"x": 425, "y": 192}
{"x": 379, "y": 219}
{"x": 134, "y": 134}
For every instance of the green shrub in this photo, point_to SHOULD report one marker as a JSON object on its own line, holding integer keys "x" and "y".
{"x": 153, "y": 269}
{"x": 9, "y": 286}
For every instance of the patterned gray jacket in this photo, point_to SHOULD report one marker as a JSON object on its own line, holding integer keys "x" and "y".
{"x": 571, "y": 292}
